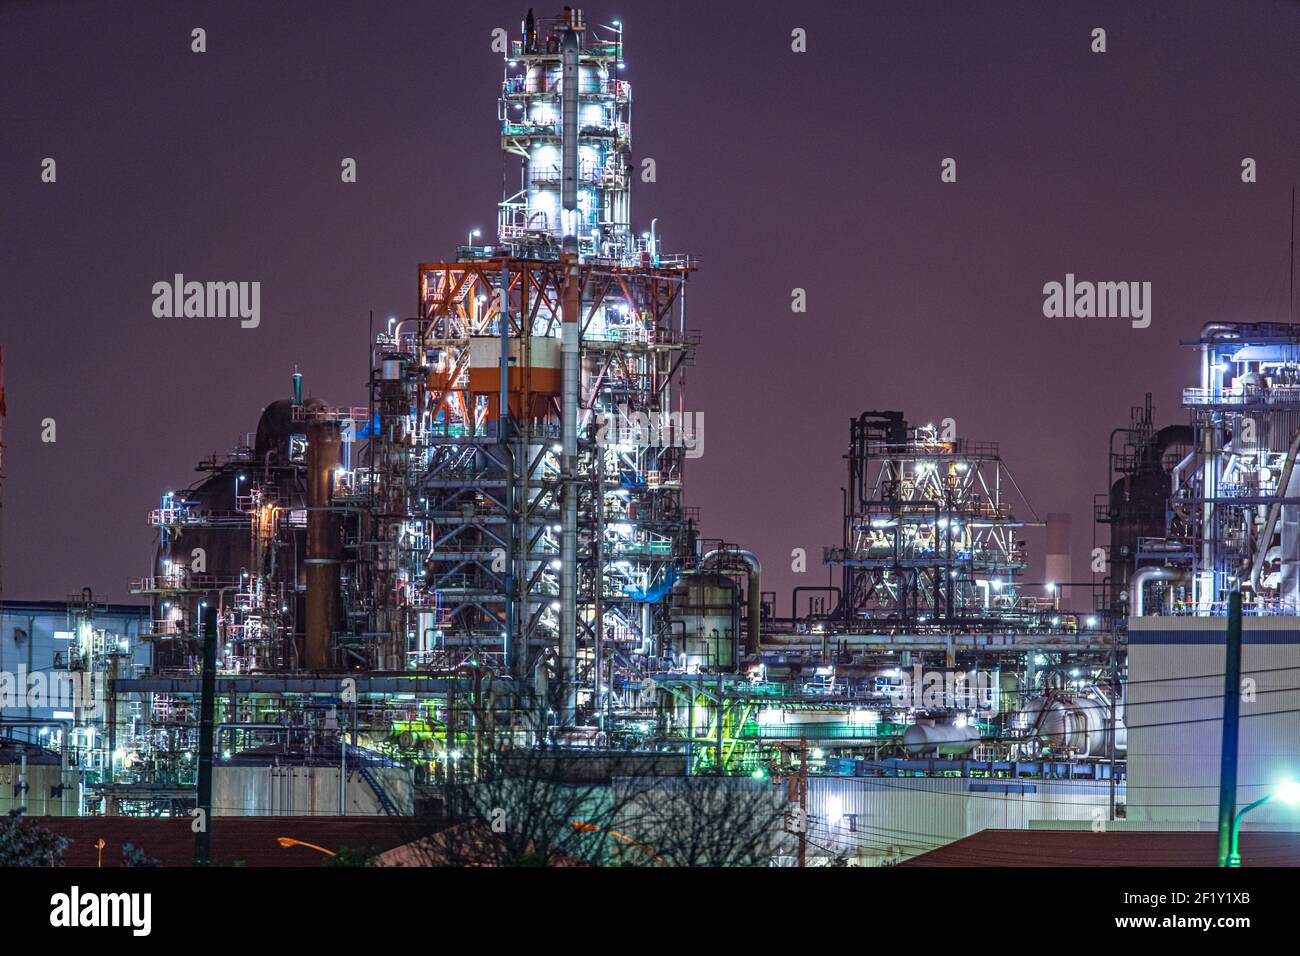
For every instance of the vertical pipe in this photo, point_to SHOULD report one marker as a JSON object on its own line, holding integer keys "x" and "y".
{"x": 1231, "y": 726}
{"x": 507, "y": 457}
{"x": 207, "y": 704}
{"x": 569, "y": 498}
{"x": 343, "y": 775}
{"x": 569, "y": 374}
{"x": 598, "y": 576}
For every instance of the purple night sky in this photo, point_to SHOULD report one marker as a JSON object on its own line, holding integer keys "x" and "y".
{"x": 818, "y": 170}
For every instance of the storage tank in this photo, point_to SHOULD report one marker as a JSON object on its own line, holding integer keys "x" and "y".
{"x": 706, "y": 621}
{"x": 50, "y": 790}
{"x": 946, "y": 740}
{"x": 1071, "y": 723}
{"x": 270, "y": 782}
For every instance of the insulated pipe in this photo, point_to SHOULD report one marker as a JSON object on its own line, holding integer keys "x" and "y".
{"x": 507, "y": 456}
{"x": 324, "y": 549}
{"x": 569, "y": 497}
{"x": 569, "y": 329}
{"x": 755, "y": 595}
{"x": 1139, "y": 581}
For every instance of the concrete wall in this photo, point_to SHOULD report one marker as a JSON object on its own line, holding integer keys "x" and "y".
{"x": 1175, "y": 709}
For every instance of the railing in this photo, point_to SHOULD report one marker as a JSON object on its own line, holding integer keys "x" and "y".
{"x": 171, "y": 517}
{"x": 359, "y": 413}
{"x": 181, "y": 582}
{"x": 1251, "y": 395}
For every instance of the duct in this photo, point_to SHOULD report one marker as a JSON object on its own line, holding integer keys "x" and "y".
{"x": 1290, "y": 521}
{"x": 1139, "y": 581}
{"x": 1214, "y": 330}
{"x": 752, "y": 633}
{"x": 324, "y": 548}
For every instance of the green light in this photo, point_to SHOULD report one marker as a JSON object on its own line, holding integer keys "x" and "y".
{"x": 759, "y": 774}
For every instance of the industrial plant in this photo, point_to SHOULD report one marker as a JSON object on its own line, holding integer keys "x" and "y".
{"x": 374, "y": 604}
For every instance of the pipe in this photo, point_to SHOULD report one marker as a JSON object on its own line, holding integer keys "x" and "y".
{"x": 503, "y": 434}
{"x": 569, "y": 498}
{"x": 752, "y": 634}
{"x": 1139, "y": 580}
{"x": 570, "y": 332}
{"x": 1266, "y": 533}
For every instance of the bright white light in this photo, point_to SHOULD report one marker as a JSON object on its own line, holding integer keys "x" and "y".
{"x": 1288, "y": 791}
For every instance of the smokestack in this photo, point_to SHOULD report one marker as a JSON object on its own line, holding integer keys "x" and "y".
{"x": 1057, "y": 567}
{"x": 324, "y": 547}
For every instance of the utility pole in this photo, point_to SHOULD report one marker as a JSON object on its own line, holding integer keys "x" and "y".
{"x": 1231, "y": 726}
{"x": 207, "y": 703}
{"x": 796, "y": 817}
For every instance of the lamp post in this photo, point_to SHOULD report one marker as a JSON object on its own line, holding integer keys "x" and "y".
{"x": 1288, "y": 792}
{"x": 290, "y": 841}
{"x": 472, "y": 234}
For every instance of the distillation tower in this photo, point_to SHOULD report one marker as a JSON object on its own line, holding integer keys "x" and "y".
{"x": 529, "y": 434}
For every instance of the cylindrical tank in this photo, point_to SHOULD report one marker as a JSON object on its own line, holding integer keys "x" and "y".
{"x": 269, "y": 781}
{"x": 946, "y": 740}
{"x": 707, "y": 607}
{"x": 1071, "y": 724}
{"x": 40, "y": 771}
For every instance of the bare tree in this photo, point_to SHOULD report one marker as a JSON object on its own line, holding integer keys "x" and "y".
{"x": 704, "y": 821}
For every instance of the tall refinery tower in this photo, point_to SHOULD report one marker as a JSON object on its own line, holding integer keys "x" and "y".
{"x": 525, "y": 468}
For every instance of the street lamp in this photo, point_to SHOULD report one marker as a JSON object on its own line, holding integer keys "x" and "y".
{"x": 473, "y": 233}
{"x": 290, "y": 841}
{"x": 1288, "y": 792}
{"x": 582, "y": 826}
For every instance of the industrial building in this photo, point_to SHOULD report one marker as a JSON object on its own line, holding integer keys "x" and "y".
{"x": 490, "y": 553}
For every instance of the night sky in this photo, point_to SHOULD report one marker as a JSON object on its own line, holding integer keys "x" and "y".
{"x": 818, "y": 170}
